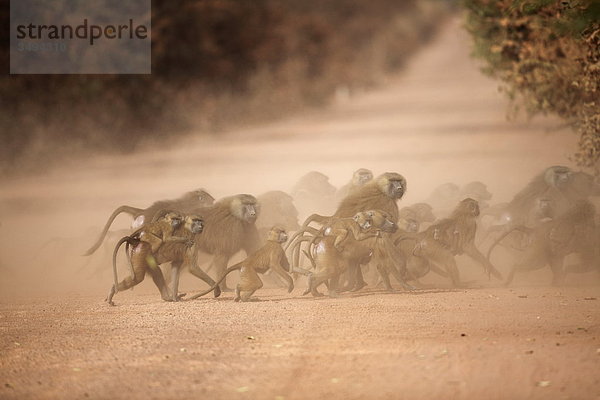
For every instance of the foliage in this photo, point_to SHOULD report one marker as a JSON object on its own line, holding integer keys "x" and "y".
{"x": 548, "y": 53}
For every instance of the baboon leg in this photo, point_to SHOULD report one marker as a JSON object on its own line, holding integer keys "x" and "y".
{"x": 249, "y": 283}
{"x": 314, "y": 281}
{"x": 401, "y": 280}
{"x": 510, "y": 276}
{"x": 359, "y": 281}
{"x": 220, "y": 263}
{"x": 444, "y": 259}
{"x": 476, "y": 255}
{"x": 159, "y": 281}
{"x": 385, "y": 277}
{"x": 175, "y": 272}
{"x": 352, "y": 275}
{"x": 140, "y": 266}
{"x": 558, "y": 274}
{"x": 199, "y": 273}
{"x": 333, "y": 286}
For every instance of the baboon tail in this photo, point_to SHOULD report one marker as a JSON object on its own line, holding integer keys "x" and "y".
{"x": 520, "y": 228}
{"x": 126, "y": 209}
{"x": 213, "y": 287}
{"x": 127, "y": 240}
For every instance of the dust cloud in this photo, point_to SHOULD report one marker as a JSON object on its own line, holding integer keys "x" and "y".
{"x": 439, "y": 121}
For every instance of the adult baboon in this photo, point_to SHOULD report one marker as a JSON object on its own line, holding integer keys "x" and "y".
{"x": 313, "y": 193}
{"x": 276, "y": 209}
{"x": 442, "y": 241}
{"x": 270, "y": 256}
{"x": 143, "y": 259}
{"x": 331, "y": 263}
{"x": 359, "y": 178}
{"x": 418, "y": 213}
{"x": 229, "y": 228}
{"x": 553, "y": 240}
{"x": 184, "y": 204}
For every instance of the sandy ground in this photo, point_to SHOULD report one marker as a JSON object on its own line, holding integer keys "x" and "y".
{"x": 439, "y": 121}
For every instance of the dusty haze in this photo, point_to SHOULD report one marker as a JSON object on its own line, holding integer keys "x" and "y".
{"x": 439, "y": 121}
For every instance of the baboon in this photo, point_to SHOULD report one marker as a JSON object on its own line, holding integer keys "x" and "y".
{"x": 313, "y": 193}
{"x": 331, "y": 262}
{"x": 442, "y": 241}
{"x": 270, "y": 256}
{"x": 359, "y": 178}
{"x": 356, "y": 227}
{"x": 181, "y": 256}
{"x": 229, "y": 228}
{"x": 143, "y": 259}
{"x": 415, "y": 214}
{"x": 276, "y": 209}
{"x": 160, "y": 230}
{"x": 380, "y": 194}
{"x": 553, "y": 240}
{"x": 478, "y": 191}
{"x": 184, "y": 204}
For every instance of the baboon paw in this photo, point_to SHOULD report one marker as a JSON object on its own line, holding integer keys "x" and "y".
{"x": 237, "y": 299}
{"x": 290, "y": 288}
{"x": 307, "y": 291}
{"x": 217, "y": 292}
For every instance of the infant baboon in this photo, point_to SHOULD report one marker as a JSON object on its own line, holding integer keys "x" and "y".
{"x": 270, "y": 256}
{"x": 356, "y": 227}
{"x": 184, "y": 204}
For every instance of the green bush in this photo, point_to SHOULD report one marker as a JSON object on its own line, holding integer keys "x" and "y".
{"x": 547, "y": 54}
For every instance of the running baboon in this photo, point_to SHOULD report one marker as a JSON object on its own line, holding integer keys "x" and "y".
{"x": 359, "y": 178}
{"x": 181, "y": 256}
{"x": 331, "y": 262}
{"x": 553, "y": 240}
{"x": 276, "y": 209}
{"x": 442, "y": 241}
{"x": 184, "y": 204}
{"x": 143, "y": 259}
{"x": 270, "y": 256}
{"x": 229, "y": 228}
{"x": 356, "y": 227}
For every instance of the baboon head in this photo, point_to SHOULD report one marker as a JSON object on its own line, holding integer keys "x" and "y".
{"x": 558, "y": 176}
{"x": 315, "y": 183}
{"x": 361, "y": 176}
{"x": 278, "y": 234}
{"x": 423, "y": 212}
{"x": 412, "y": 226}
{"x": 194, "y": 224}
{"x": 245, "y": 207}
{"x": 545, "y": 208}
{"x": 382, "y": 221}
{"x": 392, "y": 185}
{"x": 174, "y": 219}
{"x": 364, "y": 220}
{"x": 477, "y": 190}
{"x": 468, "y": 207}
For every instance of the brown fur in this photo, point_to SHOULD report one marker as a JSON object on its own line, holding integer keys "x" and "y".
{"x": 360, "y": 177}
{"x": 144, "y": 260}
{"x": 186, "y": 203}
{"x": 441, "y": 242}
{"x": 270, "y": 256}
{"x": 276, "y": 208}
{"x": 229, "y": 228}
{"x": 553, "y": 240}
{"x": 378, "y": 194}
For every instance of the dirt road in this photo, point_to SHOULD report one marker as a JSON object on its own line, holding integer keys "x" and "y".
{"x": 439, "y": 121}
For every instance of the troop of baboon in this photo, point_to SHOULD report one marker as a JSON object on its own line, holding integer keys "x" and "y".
{"x": 551, "y": 218}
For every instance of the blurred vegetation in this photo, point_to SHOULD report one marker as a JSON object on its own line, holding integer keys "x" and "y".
{"x": 547, "y": 53}
{"x": 215, "y": 63}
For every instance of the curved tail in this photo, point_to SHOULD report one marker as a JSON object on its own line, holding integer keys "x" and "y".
{"x": 520, "y": 228}
{"x": 213, "y": 287}
{"x": 126, "y": 239}
{"x": 126, "y": 209}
